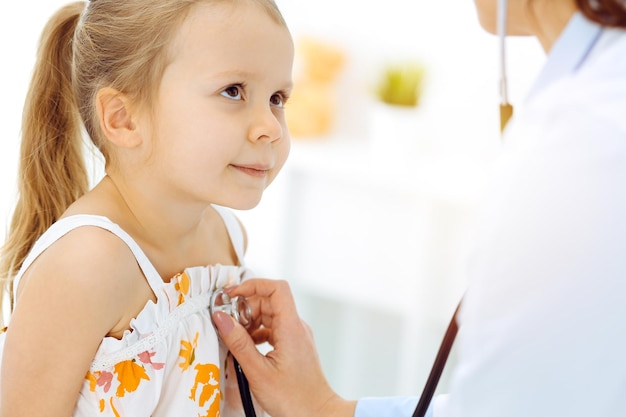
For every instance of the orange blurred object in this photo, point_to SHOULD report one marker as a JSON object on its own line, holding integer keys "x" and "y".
{"x": 311, "y": 108}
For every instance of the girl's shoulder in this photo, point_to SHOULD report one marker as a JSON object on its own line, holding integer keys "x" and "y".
{"x": 87, "y": 257}
{"x": 88, "y": 239}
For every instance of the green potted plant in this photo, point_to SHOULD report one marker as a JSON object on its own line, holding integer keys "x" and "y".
{"x": 401, "y": 84}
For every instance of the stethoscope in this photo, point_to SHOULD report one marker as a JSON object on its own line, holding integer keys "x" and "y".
{"x": 239, "y": 309}
{"x": 506, "y": 111}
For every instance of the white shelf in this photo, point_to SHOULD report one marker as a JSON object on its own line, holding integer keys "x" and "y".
{"x": 455, "y": 178}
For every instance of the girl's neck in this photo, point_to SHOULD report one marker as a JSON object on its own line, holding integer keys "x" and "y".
{"x": 173, "y": 237}
{"x": 149, "y": 218}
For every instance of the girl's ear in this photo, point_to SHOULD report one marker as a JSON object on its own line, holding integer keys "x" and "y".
{"x": 117, "y": 118}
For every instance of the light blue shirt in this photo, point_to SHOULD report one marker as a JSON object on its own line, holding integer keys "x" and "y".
{"x": 387, "y": 407}
{"x": 569, "y": 51}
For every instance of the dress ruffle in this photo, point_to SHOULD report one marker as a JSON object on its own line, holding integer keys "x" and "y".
{"x": 187, "y": 293}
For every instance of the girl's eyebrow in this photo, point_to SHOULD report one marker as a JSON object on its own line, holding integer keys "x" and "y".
{"x": 233, "y": 73}
{"x": 243, "y": 74}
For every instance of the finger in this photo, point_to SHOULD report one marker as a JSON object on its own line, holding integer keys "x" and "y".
{"x": 261, "y": 287}
{"x": 265, "y": 289}
{"x": 239, "y": 342}
{"x": 268, "y": 298}
{"x": 262, "y": 312}
{"x": 262, "y": 335}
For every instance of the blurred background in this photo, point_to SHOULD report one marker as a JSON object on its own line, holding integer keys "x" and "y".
{"x": 394, "y": 125}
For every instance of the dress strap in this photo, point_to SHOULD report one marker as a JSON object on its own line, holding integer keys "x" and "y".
{"x": 235, "y": 231}
{"x": 67, "y": 224}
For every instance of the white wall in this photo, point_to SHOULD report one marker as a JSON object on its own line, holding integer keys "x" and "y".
{"x": 366, "y": 348}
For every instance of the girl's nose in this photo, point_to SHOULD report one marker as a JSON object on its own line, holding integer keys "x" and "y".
{"x": 266, "y": 126}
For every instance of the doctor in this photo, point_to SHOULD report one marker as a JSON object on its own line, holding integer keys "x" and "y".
{"x": 543, "y": 322}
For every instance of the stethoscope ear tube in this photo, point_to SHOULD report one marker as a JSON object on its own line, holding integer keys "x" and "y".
{"x": 438, "y": 367}
{"x": 506, "y": 110}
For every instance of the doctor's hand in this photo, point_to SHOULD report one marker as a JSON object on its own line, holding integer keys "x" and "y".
{"x": 288, "y": 381}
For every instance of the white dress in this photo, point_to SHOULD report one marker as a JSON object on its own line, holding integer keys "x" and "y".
{"x": 170, "y": 362}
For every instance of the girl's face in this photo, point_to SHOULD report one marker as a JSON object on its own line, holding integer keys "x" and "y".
{"x": 218, "y": 130}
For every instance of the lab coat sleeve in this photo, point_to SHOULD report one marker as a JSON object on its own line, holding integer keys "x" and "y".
{"x": 387, "y": 407}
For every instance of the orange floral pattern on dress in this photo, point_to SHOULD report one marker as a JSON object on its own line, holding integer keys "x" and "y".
{"x": 188, "y": 352}
{"x": 129, "y": 375}
{"x": 208, "y": 377}
{"x": 93, "y": 381}
{"x": 115, "y": 412}
{"x": 181, "y": 284}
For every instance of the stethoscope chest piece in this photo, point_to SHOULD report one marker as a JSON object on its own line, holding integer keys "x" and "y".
{"x": 237, "y": 307}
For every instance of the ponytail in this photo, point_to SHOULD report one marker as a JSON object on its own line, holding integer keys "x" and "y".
{"x": 52, "y": 172}
{"x": 610, "y": 13}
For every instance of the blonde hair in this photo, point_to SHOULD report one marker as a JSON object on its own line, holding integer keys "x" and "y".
{"x": 122, "y": 44}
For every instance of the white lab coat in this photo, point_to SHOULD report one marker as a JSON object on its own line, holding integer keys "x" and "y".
{"x": 543, "y": 322}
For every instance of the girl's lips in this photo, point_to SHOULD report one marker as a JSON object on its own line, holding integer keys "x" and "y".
{"x": 252, "y": 171}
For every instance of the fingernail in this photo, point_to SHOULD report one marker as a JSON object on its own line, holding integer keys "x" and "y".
{"x": 223, "y": 322}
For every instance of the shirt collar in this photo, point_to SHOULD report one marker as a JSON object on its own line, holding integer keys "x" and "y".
{"x": 569, "y": 52}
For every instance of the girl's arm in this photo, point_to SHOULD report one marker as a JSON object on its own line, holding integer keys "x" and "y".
{"x": 85, "y": 286}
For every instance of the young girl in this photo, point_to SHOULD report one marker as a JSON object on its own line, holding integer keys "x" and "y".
{"x": 185, "y": 100}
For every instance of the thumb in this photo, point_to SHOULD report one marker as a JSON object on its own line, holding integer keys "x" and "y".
{"x": 237, "y": 339}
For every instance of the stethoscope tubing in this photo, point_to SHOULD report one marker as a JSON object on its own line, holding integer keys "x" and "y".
{"x": 438, "y": 366}
{"x": 244, "y": 390}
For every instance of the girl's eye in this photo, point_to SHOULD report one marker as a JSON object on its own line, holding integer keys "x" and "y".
{"x": 278, "y": 100}
{"x": 233, "y": 92}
